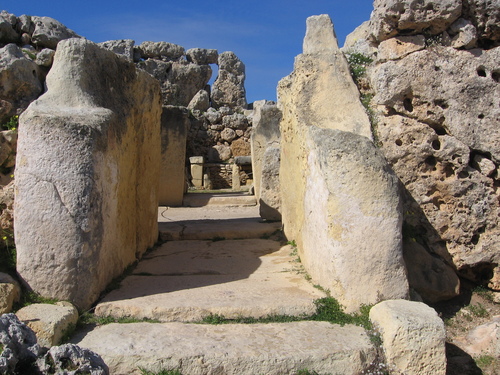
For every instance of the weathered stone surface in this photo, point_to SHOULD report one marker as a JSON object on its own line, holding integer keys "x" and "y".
{"x": 189, "y": 280}
{"x": 358, "y": 41}
{"x": 235, "y": 121}
{"x": 435, "y": 120}
{"x": 228, "y": 134}
{"x": 45, "y": 57}
{"x": 228, "y": 89}
{"x": 25, "y": 24}
{"x": 350, "y": 191}
{"x": 399, "y": 47}
{"x": 7, "y": 204}
{"x": 393, "y": 17}
{"x": 122, "y": 47}
{"x": 8, "y": 33}
{"x": 270, "y": 196}
{"x": 241, "y": 147}
{"x": 174, "y": 128}
{"x": 233, "y": 349}
{"x": 18, "y": 85}
{"x": 19, "y": 345}
{"x": 265, "y": 134}
{"x": 485, "y": 15}
{"x": 464, "y": 34}
{"x": 336, "y": 188}
{"x": 86, "y": 195}
{"x": 10, "y": 292}
{"x": 483, "y": 340}
{"x": 320, "y": 36}
{"x": 49, "y": 32}
{"x": 428, "y": 275}
{"x": 200, "y": 102}
{"x": 165, "y": 50}
{"x": 219, "y": 153}
{"x": 413, "y": 336}
{"x": 322, "y": 90}
{"x": 179, "y": 81}
{"x": 202, "y": 56}
{"x": 213, "y": 116}
{"x": 49, "y": 322}
{"x": 70, "y": 359}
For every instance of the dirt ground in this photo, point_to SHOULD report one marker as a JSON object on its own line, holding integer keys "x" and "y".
{"x": 474, "y": 307}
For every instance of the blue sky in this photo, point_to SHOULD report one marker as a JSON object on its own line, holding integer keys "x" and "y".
{"x": 265, "y": 35}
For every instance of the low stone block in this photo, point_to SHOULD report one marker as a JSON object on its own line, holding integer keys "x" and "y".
{"x": 49, "y": 322}
{"x": 413, "y": 336}
{"x": 10, "y": 292}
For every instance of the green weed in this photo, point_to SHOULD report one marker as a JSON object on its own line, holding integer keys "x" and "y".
{"x": 161, "y": 372}
{"x": 30, "y": 298}
{"x": 485, "y": 293}
{"x": 478, "y": 310}
{"x": 357, "y": 64}
{"x": 484, "y": 361}
{"x": 88, "y": 318}
{"x": 328, "y": 309}
{"x": 12, "y": 124}
{"x": 7, "y": 252}
{"x": 218, "y": 238}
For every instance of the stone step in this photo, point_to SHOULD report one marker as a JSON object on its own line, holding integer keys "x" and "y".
{"x": 232, "y": 349}
{"x": 204, "y": 223}
{"x": 189, "y": 280}
{"x": 218, "y": 199}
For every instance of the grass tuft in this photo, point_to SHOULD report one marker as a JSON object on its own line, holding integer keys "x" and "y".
{"x": 161, "y": 372}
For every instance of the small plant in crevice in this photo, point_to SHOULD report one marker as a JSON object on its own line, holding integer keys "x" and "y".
{"x": 160, "y": 372}
{"x": 7, "y": 252}
{"x": 358, "y": 64}
{"x": 366, "y": 99}
{"x": 12, "y": 124}
{"x": 87, "y": 318}
{"x": 486, "y": 293}
{"x": 484, "y": 361}
{"x": 477, "y": 310}
{"x": 30, "y": 298}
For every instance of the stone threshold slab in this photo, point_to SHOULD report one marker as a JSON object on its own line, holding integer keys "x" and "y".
{"x": 216, "y": 229}
{"x": 232, "y": 349}
{"x": 189, "y": 280}
{"x": 225, "y": 199}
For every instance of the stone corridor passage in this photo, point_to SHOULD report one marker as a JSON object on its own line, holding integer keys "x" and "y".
{"x": 221, "y": 259}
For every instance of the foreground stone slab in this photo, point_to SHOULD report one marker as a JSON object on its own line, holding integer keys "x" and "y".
{"x": 189, "y": 280}
{"x": 86, "y": 189}
{"x": 271, "y": 349}
{"x": 413, "y": 336}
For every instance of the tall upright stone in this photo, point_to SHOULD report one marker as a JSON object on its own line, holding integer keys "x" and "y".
{"x": 229, "y": 87}
{"x": 265, "y": 143}
{"x": 87, "y": 174}
{"x": 340, "y": 200}
{"x": 174, "y": 127}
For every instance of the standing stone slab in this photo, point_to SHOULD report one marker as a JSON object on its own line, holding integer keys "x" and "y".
{"x": 413, "y": 336}
{"x": 265, "y": 133}
{"x": 339, "y": 199}
{"x": 228, "y": 89}
{"x": 87, "y": 174}
{"x": 174, "y": 127}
